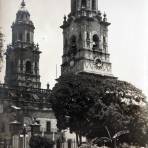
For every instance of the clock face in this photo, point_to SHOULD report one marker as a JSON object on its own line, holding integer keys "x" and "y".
{"x": 72, "y": 63}
{"x": 98, "y": 63}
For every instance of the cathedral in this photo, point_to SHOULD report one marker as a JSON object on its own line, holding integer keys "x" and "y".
{"x": 22, "y": 100}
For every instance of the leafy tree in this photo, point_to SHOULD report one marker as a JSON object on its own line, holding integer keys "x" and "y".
{"x": 40, "y": 142}
{"x": 89, "y": 103}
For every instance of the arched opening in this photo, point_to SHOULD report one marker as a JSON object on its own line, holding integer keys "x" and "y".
{"x": 36, "y": 67}
{"x": 95, "y": 41}
{"x": 21, "y": 65}
{"x": 48, "y": 126}
{"x": 12, "y": 67}
{"x": 58, "y": 142}
{"x": 28, "y": 37}
{"x": 2, "y": 128}
{"x": 93, "y": 4}
{"x": 88, "y": 39}
{"x": 26, "y": 16}
{"x": 69, "y": 141}
{"x": 14, "y": 37}
{"x": 83, "y": 4}
{"x": 104, "y": 42}
{"x": 73, "y": 44}
{"x": 21, "y": 16}
{"x": 28, "y": 67}
{"x": 98, "y": 62}
{"x": 20, "y": 36}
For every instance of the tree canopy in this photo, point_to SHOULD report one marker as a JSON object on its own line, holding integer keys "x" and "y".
{"x": 87, "y": 104}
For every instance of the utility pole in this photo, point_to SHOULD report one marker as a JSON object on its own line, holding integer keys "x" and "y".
{"x": 1, "y": 49}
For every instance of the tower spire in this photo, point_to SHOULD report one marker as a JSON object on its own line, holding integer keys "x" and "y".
{"x": 27, "y": 67}
{"x": 23, "y": 3}
{"x": 92, "y": 40}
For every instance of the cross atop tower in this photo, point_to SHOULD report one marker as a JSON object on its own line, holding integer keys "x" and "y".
{"x": 23, "y": 3}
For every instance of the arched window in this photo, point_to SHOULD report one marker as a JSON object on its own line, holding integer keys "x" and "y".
{"x": 104, "y": 42}
{"x": 14, "y": 37}
{"x": 28, "y": 67}
{"x": 58, "y": 143}
{"x": 26, "y": 16}
{"x": 2, "y": 130}
{"x": 95, "y": 41}
{"x": 21, "y": 65}
{"x": 73, "y": 44}
{"x": 36, "y": 67}
{"x": 88, "y": 39}
{"x": 83, "y": 4}
{"x": 1, "y": 108}
{"x": 28, "y": 37}
{"x": 20, "y": 36}
{"x": 69, "y": 141}
{"x": 48, "y": 126}
{"x": 93, "y": 4}
{"x": 12, "y": 66}
{"x": 73, "y": 40}
{"x": 21, "y": 16}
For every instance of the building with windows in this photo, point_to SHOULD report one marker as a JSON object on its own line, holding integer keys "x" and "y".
{"x": 21, "y": 98}
{"x": 85, "y": 50}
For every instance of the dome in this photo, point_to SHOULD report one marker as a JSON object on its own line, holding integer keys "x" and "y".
{"x": 23, "y": 14}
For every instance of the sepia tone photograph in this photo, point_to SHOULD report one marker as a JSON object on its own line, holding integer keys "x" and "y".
{"x": 73, "y": 74}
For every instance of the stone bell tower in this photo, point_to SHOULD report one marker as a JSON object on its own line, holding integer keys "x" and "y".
{"x": 85, "y": 39}
{"x": 22, "y": 55}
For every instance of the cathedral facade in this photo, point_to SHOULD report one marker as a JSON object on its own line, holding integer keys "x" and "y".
{"x": 22, "y": 101}
{"x": 85, "y": 50}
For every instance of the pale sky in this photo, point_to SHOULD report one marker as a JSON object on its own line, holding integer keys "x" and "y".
{"x": 128, "y": 35}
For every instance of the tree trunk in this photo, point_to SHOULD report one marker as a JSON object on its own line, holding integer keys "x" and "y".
{"x": 80, "y": 138}
{"x": 77, "y": 139}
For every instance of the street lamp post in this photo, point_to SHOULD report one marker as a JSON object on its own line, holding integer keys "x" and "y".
{"x": 35, "y": 128}
{"x": 24, "y": 132}
{"x": 2, "y": 143}
{"x": 15, "y": 127}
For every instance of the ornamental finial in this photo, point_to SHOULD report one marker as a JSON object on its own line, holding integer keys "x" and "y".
{"x": 23, "y": 3}
{"x": 105, "y": 17}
